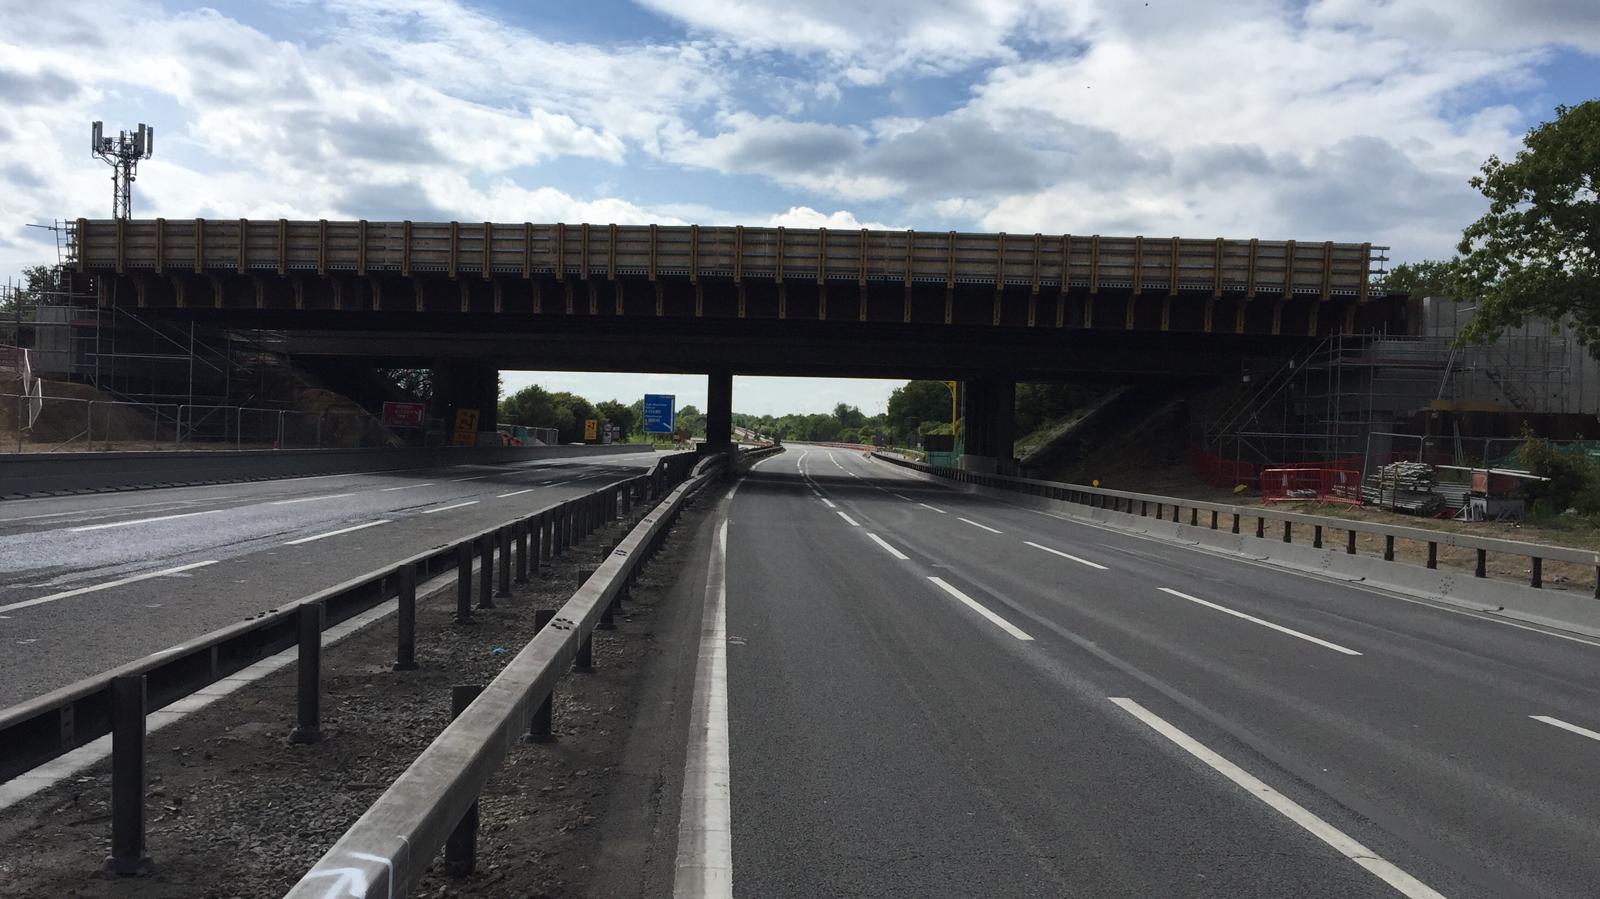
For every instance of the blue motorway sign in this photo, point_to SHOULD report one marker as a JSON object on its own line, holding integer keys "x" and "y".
{"x": 660, "y": 413}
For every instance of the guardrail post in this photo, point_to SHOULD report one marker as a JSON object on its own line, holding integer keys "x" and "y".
{"x": 1433, "y": 554}
{"x": 521, "y": 532}
{"x": 1483, "y": 564}
{"x": 1536, "y": 579}
{"x": 1213, "y": 519}
{"x": 546, "y": 532}
{"x": 1287, "y": 532}
{"x": 405, "y": 656}
{"x": 464, "y": 582}
{"x": 1350, "y": 542}
{"x": 486, "y": 571}
{"x": 1174, "y": 513}
{"x": 1388, "y": 547}
{"x": 461, "y": 848}
{"x": 308, "y": 695}
{"x": 1261, "y": 527}
{"x": 503, "y": 537}
{"x": 539, "y": 725}
{"x": 1236, "y": 522}
{"x": 127, "y": 779}
{"x": 1316, "y": 537}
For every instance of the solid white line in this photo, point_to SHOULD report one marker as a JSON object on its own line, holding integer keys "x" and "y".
{"x": 704, "y": 866}
{"x": 514, "y": 493}
{"x": 829, "y": 502}
{"x": 836, "y": 463}
{"x": 1557, "y": 722}
{"x": 359, "y": 527}
{"x": 41, "y": 600}
{"x": 1283, "y": 805}
{"x": 309, "y": 499}
{"x": 1251, "y": 618}
{"x": 973, "y": 604}
{"x": 977, "y": 525}
{"x": 123, "y": 524}
{"x": 852, "y": 521}
{"x": 891, "y": 550}
{"x": 448, "y": 508}
{"x": 406, "y": 487}
{"x": 1066, "y": 555}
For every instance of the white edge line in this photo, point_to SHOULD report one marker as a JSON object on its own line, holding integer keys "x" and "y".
{"x": 1066, "y": 555}
{"x": 359, "y": 527}
{"x": 1253, "y": 619}
{"x": 41, "y": 600}
{"x": 891, "y": 550}
{"x": 847, "y": 518}
{"x": 704, "y": 862}
{"x": 978, "y": 607}
{"x": 123, "y": 524}
{"x": 1337, "y": 839}
{"x": 977, "y": 525}
{"x": 1557, "y": 722}
{"x": 448, "y": 508}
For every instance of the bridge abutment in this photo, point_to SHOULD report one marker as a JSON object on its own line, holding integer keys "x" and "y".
{"x": 719, "y": 411}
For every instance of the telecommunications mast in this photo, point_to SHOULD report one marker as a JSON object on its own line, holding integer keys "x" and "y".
{"x": 122, "y": 153}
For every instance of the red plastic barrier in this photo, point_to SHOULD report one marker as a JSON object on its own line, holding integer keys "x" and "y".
{"x": 1303, "y": 483}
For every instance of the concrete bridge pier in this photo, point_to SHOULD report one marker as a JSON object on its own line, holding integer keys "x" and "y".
{"x": 719, "y": 411}
{"x": 465, "y": 384}
{"x": 988, "y": 412}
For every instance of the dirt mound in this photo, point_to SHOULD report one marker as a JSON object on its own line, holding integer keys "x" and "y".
{"x": 71, "y": 416}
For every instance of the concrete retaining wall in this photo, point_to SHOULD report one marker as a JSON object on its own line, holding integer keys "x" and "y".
{"x": 46, "y": 473}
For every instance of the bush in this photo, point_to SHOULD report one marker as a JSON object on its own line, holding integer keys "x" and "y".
{"x": 1574, "y": 480}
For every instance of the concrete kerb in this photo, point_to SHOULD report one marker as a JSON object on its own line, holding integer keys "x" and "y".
{"x": 1550, "y": 608}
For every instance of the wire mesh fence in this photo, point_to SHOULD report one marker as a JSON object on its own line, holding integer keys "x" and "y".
{"x": 72, "y": 424}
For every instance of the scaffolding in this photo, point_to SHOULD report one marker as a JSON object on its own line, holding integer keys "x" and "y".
{"x": 1320, "y": 406}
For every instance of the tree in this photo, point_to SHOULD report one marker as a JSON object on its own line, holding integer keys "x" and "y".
{"x": 618, "y": 414}
{"x": 848, "y": 416}
{"x": 1536, "y": 252}
{"x": 413, "y": 382}
{"x": 38, "y": 282}
{"x": 1428, "y": 278}
{"x": 915, "y": 403}
{"x": 692, "y": 421}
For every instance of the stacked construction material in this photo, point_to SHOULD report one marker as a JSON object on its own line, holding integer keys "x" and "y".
{"x": 1403, "y": 487}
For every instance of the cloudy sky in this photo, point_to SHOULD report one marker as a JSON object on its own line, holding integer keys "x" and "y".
{"x": 1308, "y": 119}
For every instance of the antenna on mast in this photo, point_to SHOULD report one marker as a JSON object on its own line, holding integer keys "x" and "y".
{"x": 123, "y": 153}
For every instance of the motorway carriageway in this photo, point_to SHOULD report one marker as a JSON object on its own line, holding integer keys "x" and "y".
{"x": 914, "y": 691}
{"x": 90, "y": 582}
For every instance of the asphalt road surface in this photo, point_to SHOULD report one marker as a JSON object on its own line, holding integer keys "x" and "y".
{"x": 929, "y": 693}
{"x": 90, "y": 582}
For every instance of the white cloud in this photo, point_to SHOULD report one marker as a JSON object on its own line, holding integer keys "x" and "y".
{"x": 806, "y": 217}
{"x": 871, "y": 40}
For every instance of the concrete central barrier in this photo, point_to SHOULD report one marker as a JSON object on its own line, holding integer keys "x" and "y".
{"x": 33, "y": 474}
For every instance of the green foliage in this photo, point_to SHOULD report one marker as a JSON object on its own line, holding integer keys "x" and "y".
{"x": 1536, "y": 252}
{"x": 1574, "y": 479}
{"x": 413, "y": 382}
{"x": 37, "y": 283}
{"x": 622, "y": 416}
{"x": 912, "y": 406}
{"x": 1428, "y": 278}
{"x": 1040, "y": 404}
{"x": 535, "y": 407}
{"x": 692, "y": 421}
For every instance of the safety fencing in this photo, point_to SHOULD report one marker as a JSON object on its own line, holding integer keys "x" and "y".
{"x": 45, "y": 423}
{"x": 117, "y": 702}
{"x": 432, "y": 805}
{"x": 1236, "y": 519}
{"x": 1312, "y": 482}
